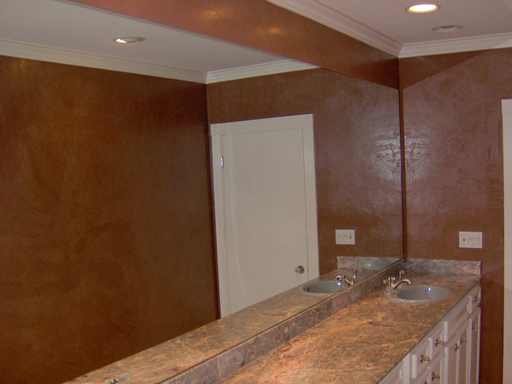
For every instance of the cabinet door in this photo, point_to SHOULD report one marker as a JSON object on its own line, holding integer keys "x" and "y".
{"x": 450, "y": 361}
{"x": 462, "y": 355}
{"x": 435, "y": 371}
{"x": 474, "y": 347}
{"x": 456, "y": 356}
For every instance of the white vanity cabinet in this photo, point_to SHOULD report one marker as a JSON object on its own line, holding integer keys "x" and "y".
{"x": 450, "y": 353}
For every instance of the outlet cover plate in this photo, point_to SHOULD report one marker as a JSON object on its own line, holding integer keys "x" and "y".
{"x": 346, "y": 236}
{"x": 470, "y": 240}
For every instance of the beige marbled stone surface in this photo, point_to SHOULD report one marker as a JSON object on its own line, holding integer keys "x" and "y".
{"x": 215, "y": 351}
{"x": 359, "y": 344}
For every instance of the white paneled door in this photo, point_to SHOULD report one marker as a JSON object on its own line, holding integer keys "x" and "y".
{"x": 265, "y": 208}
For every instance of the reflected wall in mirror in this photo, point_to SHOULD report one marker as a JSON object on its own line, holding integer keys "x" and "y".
{"x": 106, "y": 226}
{"x": 357, "y": 150}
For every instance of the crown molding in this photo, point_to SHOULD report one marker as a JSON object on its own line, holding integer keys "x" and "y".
{"x": 55, "y": 55}
{"x": 61, "y": 56}
{"x": 341, "y": 23}
{"x": 257, "y": 70}
{"x": 457, "y": 45}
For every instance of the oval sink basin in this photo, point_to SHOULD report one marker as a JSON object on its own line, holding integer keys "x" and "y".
{"x": 321, "y": 288}
{"x": 418, "y": 294}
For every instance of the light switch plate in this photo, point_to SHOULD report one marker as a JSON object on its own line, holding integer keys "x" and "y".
{"x": 470, "y": 240}
{"x": 346, "y": 236}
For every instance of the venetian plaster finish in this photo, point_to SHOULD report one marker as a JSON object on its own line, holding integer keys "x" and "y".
{"x": 105, "y": 186}
{"x": 454, "y": 171}
{"x": 105, "y": 207}
{"x": 357, "y": 150}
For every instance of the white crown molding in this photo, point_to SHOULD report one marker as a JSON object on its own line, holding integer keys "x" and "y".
{"x": 61, "y": 56}
{"x": 457, "y": 45}
{"x": 341, "y": 23}
{"x": 55, "y": 55}
{"x": 257, "y": 70}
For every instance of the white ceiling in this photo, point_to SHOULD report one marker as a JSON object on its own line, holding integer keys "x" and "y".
{"x": 63, "y": 31}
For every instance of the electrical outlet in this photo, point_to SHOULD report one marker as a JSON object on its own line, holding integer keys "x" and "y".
{"x": 346, "y": 236}
{"x": 470, "y": 240}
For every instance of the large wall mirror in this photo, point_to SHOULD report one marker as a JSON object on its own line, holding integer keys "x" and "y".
{"x": 107, "y": 210}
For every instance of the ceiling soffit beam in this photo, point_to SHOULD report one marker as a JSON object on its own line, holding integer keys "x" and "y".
{"x": 262, "y": 25}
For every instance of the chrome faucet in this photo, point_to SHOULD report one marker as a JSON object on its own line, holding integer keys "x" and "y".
{"x": 395, "y": 286}
{"x": 343, "y": 279}
{"x": 391, "y": 280}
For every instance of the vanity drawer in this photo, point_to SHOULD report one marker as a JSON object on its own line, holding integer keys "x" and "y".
{"x": 455, "y": 318}
{"x": 475, "y": 297}
{"x": 436, "y": 342}
{"x": 432, "y": 374}
{"x": 420, "y": 357}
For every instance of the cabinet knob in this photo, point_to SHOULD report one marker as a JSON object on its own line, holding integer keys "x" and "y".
{"x": 424, "y": 359}
{"x": 475, "y": 327}
{"x": 438, "y": 342}
{"x": 435, "y": 377}
{"x": 299, "y": 270}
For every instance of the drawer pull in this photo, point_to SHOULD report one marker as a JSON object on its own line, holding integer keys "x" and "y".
{"x": 438, "y": 342}
{"x": 435, "y": 377}
{"x": 424, "y": 359}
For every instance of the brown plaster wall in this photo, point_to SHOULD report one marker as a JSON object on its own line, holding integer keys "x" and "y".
{"x": 263, "y": 25}
{"x": 105, "y": 215}
{"x": 454, "y": 168}
{"x": 357, "y": 150}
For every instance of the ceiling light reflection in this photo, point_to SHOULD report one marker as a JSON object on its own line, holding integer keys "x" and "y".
{"x": 422, "y": 8}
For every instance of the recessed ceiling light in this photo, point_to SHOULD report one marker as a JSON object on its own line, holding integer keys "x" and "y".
{"x": 422, "y": 8}
{"x": 447, "y": 28}
{"x": 129, "y": 40}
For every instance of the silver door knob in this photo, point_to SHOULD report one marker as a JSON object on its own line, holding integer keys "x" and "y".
{"x": 299, "y": 270}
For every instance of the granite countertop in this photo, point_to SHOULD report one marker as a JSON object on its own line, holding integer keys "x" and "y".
{"x": 359, "y": 344}
{"x": 354, "y": 335}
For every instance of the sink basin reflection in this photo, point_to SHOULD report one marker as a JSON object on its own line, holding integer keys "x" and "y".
{"x": 321, "y": 288}
{"x": 418, "y": 294}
